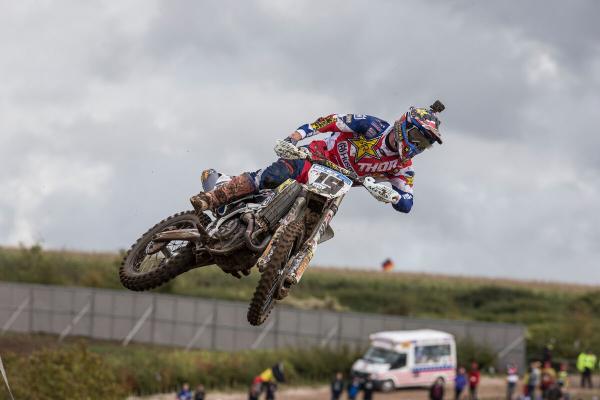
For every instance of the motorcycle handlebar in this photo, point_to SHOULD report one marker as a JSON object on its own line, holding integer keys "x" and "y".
{"x": 381, "y": 192}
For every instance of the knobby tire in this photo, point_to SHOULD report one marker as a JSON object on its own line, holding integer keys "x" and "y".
{"x": 182, "y": 261}
{"x": 281, "y": 250}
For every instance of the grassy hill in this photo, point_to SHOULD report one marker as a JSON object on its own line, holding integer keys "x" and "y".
{"x": 567, "y": 314}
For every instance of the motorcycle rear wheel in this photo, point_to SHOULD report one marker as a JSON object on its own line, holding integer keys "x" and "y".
{"x": 141, "y": 271}
{"x": 264, "y": 297}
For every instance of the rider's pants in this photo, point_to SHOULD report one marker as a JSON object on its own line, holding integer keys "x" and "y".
{"x": 280, "y": 171}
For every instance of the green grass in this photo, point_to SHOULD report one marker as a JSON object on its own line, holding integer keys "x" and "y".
{"x": 40, "y": 368}
{"x": 566, "y": 314}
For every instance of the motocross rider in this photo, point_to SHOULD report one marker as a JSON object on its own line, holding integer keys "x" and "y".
{"x": 367, "y": 145}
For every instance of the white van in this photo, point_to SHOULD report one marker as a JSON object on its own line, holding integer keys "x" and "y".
{"x": 408, "y": 359}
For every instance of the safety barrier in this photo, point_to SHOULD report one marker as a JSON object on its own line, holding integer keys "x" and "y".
{"x": 190, "y": 322}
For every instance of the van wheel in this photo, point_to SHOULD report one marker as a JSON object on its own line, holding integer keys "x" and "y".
{"x": 387, "y": 386}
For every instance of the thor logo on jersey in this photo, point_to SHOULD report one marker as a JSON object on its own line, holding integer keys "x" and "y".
{"x": 377, "y": 167}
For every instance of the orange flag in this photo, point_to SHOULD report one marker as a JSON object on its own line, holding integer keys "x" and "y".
{"x": 387, "y": 265}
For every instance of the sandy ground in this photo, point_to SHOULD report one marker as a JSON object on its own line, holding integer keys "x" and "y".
{"x": 491, "y": 388}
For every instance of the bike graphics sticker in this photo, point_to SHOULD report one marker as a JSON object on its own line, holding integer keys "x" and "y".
{"x": 327, "y": 182}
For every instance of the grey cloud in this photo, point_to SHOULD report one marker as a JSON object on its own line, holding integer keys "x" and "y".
{"x": 126, "y": 104}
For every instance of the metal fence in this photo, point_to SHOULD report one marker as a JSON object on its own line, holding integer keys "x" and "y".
{"x": 214, "y": 324}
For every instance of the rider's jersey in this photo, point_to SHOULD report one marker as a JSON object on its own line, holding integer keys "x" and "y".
{"x": 358, "y": 142}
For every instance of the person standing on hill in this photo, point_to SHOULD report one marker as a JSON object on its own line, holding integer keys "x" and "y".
{"x": 266, "y": 382}
{"x": 368, "y": 388}
{"x": 512, "y": 377}
{"x": 548, "y": 378}
{"x": 185, "y": 393}
{"x": 474, "y": 376}
{"x": 436, "y": 391}
{"x": 460, "y": 382}
{"x": 199, "y": 393}
{"x": 586, "y": 362}
{"x": 353, "y": 388}
{"x": 563, "y": 375}
{"x": 337, "y": 386}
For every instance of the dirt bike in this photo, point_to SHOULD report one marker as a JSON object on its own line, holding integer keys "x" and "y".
{"x": 276, "y": 230}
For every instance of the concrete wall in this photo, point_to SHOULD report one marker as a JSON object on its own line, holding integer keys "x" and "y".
{"x": 214, "y": 324}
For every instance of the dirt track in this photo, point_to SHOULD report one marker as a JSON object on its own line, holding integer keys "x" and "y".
{"x": 491, "y": 388}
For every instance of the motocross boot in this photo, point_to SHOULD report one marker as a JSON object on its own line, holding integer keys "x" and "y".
{"x": 236, "y": 188}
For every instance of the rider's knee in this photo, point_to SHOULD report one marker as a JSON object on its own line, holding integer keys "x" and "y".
{"x": 274, "y": 175}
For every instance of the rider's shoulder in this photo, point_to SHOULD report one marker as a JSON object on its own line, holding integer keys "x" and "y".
{"x": 360, "y": 123}
{"x": 348, "y": 118}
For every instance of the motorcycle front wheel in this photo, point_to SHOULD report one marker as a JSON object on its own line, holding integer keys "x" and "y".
{"x": 144, "y": 268}
{"x": 265, "y": 294}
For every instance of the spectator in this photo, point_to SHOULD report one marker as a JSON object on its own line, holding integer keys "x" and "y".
{"x": 337, "y": 386}
{"x": 563, "y": 375}
{"x": 185, "y": 393}
{"x": 474, "y": 376}
{"x": 353, "y": 388}
{"x": 512, "y": 377}
{"x": 586, "y": 362}
{"x": 368, "y": 387}
{"x": 255, "y": 390}
{"x": 460, "y": 381}
{"x": 267, "y": 382}
{"x": 533, "y": 378}
{"x": 548, "y": 379}
{"x": 199, "y": 394}
{"x": 436, "y": 391}
{"x": 554, "y": 392}
{"x": 271, "y": 389}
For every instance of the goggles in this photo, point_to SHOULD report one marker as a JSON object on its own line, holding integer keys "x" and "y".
{"x": 418, "y": 138}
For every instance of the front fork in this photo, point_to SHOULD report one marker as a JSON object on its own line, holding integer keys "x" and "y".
{"x": 298, "y": 264}
{"x": 291, "y": 216}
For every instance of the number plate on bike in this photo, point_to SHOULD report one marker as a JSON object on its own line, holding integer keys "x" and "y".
{"x": 327, "y": 182}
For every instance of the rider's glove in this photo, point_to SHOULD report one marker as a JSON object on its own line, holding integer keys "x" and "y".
{"x": 294, "y": 138}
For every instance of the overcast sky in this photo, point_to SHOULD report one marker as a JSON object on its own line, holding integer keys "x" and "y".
{"x": 109, "y": 111}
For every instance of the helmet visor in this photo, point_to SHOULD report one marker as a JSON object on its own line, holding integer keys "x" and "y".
{"x": 418, "y": 138}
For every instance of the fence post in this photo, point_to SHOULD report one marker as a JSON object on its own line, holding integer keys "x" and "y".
{"x": 31, "y": 304}
{"x": 174, "y": 320}
{"x": 340, "y": 329}
{"x": 320, "y": 326}
{"x": 74, "y": 322}
{"x": 112, "y": 316}
{"x": 15, "y": 315}
{"x": 262, "y": 335}
{"x": 92, "y": 312}
{"x": 277, "y": 327}
{"x": 138, "y": 325}
{"x": 153, "y": 321}
{"x": 213, "y": 334}
{"x": 330, "y": 335}
{"x": 199, "y": 332}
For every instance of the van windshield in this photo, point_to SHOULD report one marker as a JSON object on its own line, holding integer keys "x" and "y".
{"x": 377, "y": 355}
